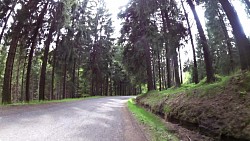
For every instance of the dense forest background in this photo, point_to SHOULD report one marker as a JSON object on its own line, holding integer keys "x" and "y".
{"x": 56, "y": 49}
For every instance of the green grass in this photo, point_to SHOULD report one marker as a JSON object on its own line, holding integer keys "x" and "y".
{"x": 202, "y": 87}
{"x": 245, "y": 82}
{"x": 36, "y": 102}
{"x": 155, "y": 98}
{"x": 157, "y": 128}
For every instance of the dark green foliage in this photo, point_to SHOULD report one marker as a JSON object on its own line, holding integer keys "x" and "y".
{"x": 70, "y": 42}
{"x": 66, "y": 49}
{"x": 142, "y": 33}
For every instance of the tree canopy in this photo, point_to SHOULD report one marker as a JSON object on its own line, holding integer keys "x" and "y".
{"x": 55, "y": 49}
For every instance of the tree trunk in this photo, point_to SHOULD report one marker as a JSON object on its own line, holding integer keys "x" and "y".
{"x": 247, "y": 3}
{"x": 73, "y": 80}
{"x": 78, "y": 79}
{"x": 27, "y": 89}
{"x": 229, "y": 44}
{"x": 115, "y": 88}
{"x": 159, "y": 68}
{"x": 144, "y": 25}
{"x": 120, "y": 88}
{"x": 15, "y": 99}
{"x": 154, "y": 74}
{"x": 59, "y": 90}
{"x": 7, "y": 18}
{"x": 180, "y": 65}
{"x": 44, "y": 64}
{"x": 176, "y": 69}
{"x": 107, "y": 86}
{"x": 5, "y": 24}
{"x": 148, "y": 65}
{"x": 110, "y": 82}
{"x": 25, "y": 11}
{"x": 243, "y": 44}
{"x": 92, "y": 86}
{"x": 53, "y": 79}
{"x": 164, "y": 20}
{"x": 164, "y": 83}
{"x": 207, "y": 56}
{"x": 195, "y": 68}
{"x": 140, "y": 89}
{"x": 6, "y": 92}
{"x": 124, "y": 90}
{"x": 32, "y": 49}
{"x": 23, "y": 73}
{"x": 169, "y": 77}
{"x": 64, "y": 77}
{"x": 54, "y": 64}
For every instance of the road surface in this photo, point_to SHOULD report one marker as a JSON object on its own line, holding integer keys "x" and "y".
{"x": 102, "y": 119}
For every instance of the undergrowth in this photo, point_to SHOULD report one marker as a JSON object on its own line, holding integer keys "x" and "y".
{"x": 202, "y": 86}
{"x": 36, "y": 102}
{"x": 221, "y": 107}
{"x": 197, "y": 90}
{"x": 156, "y": 126}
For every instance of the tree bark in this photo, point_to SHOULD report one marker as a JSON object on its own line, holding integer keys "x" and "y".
{"x": 207, "y": 56}
{"x": 92, "y": 86}
{"x": 159, "y": 67}
{"x": 23, "y": 73}
{"x": 164, "y": 14}
{"x": 176, "y": 69}
{"x": 120, "y": 88}
{"x": 5, "y": 24}
{"x": 247, "y": 3}
{"x": 169, "y": 76}
{"x": 110, "y": 82}
{"x": 32, "y": 49}
{"x": 6, "y": 92}
{"x": 195, "y": 68}
{"x": 144, "y": 25}
{"x": 148, "y": 65}
{"x": 179, "y": 53}
{"x": 17, "y": 77}
{"x": 64, "y": 77}
{"x": 73, "y": 80}
{"x": 25, "y": 12}
{"x": 44, "y": 63}
{"x": 163, "y": 72}
{"x": 243, "y": 44}
{"x": 107, "y": 86}
{"x": 154, "y": 74}
{"x": 229, "y": 44}
{"x": 78, "y": 78}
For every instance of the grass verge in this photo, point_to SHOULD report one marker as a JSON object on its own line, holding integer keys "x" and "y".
{"x": 157, "y": 128}
{"x": 204, "y": 87}
{"x": 37, "y": 102}
{"x": 219, "y": 110}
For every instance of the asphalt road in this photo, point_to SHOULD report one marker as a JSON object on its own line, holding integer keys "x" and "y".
{"x": 102, "y": 119}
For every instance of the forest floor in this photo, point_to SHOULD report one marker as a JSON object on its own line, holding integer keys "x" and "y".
{"x": 100, "y": 119}
{"x": 221, "y": 110}
{"x": 37, "y": 102}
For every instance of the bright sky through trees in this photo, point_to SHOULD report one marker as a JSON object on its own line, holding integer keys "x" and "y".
{"x": 115, "y": 6}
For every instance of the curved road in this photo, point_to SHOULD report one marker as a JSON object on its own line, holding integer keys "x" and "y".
{"x": 102, "y": 119}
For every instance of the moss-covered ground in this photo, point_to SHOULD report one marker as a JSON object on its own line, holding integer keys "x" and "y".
{"x": 220, "y": 109}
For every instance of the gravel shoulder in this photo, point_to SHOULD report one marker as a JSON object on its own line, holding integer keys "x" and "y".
{"x": 102, "y": 119}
